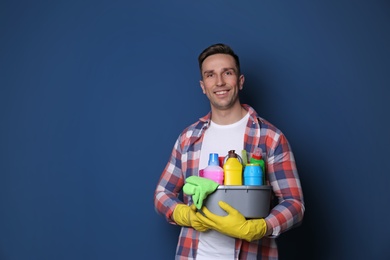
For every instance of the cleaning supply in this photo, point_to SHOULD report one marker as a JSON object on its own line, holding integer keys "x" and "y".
{"x": 257, "y": 157}
{"x": 234, "y": 224}
{"x": 221, "y": 160}
{"x": 213, "y": 171}
{"x": 199, "y": 188}
{"x": 227, "y": 157}
{"x": 185, "y": 215}
{"x": 232, "y": 169}
{"x": 244, "y": 157}
{"x": 253, "y": 175}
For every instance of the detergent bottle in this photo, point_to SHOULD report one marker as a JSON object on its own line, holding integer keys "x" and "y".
{"x": 253, "y": 175}
{"x": 213, "y": 171}
{"x": 232, "y": 169}
{"x": 257, "y": 158}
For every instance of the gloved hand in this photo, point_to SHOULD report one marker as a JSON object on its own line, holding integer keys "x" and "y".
{"x": 234, "y": 224}
{"x": 199, "y": 188}
{"x": 185, "y": 215}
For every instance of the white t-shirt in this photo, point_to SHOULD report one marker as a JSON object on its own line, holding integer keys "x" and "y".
{"x": 219, "y": 139}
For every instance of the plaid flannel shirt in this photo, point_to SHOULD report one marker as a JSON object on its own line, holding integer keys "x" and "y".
{"x": 281, "y": 174}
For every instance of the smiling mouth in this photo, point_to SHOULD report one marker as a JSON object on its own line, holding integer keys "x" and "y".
{"x": 221, "y": 92}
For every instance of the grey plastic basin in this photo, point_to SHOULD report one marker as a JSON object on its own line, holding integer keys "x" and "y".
{"x": 251, "y": 201}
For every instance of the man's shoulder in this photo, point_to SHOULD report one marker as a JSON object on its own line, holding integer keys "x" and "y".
{"x": 265, "y": 124}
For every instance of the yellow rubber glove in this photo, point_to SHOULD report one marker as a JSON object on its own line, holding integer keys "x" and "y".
{"x": 234, "y": 224}
{"x": 185, "y": 215}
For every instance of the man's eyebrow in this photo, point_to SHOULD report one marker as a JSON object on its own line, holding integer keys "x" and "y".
{"x": 226, "y": 69}
{"x": 208, "y": 71}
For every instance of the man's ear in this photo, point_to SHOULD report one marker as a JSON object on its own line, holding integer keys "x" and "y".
{"x": 241, "y": 82}
{"x": 202, "y": 86}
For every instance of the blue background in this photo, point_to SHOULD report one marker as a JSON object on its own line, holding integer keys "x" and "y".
{"x": 94, "y": 93}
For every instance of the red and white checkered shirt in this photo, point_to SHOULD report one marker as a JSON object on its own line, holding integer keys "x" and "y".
{"x": 281, "y": 174}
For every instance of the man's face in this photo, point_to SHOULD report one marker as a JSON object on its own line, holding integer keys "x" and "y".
{"x": 220, "y": 81}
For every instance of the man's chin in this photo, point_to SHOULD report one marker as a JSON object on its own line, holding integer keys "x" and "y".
{"x": 222, "y": 105}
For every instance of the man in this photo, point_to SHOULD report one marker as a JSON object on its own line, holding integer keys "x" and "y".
{"x": 229, "y": 126}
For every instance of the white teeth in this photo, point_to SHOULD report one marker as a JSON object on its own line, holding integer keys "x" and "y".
{"x": 220, "y": 92}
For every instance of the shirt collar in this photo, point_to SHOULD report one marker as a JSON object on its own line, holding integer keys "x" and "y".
{"x": 252, "y": 114}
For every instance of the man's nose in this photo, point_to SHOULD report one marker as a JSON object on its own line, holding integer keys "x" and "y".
{"x": 220, "y": 80}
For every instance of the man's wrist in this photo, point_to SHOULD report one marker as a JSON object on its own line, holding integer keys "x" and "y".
{"x": 269, "y": 229}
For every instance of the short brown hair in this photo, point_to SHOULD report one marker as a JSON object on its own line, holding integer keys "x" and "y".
{"x": 218, "y": 48}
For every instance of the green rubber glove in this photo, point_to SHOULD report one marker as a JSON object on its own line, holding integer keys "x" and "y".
{"x": 234, "y": 224}
{"x": 199, "y": 188}
{"x": 185, "y": 215}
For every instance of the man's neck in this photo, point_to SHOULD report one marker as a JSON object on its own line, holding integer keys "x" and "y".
{"x": 228, "y": 116}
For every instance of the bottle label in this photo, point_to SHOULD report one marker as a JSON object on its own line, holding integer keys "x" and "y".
{"x": 233, "y": 172}
{"x": 253, "y": 175}
{"x": 216, "y": 176}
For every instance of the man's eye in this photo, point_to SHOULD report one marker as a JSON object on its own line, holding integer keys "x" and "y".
{"x": 229, "y": 73}
{"x": 209, "y": 75}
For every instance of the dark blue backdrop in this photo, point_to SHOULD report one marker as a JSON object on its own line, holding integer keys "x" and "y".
{"x": 94, "y": 93}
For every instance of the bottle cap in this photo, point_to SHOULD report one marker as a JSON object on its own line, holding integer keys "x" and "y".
{"x": 257, "y": 154}
{"x": 213, "y": 159}
{"x": 232, "y": 154}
